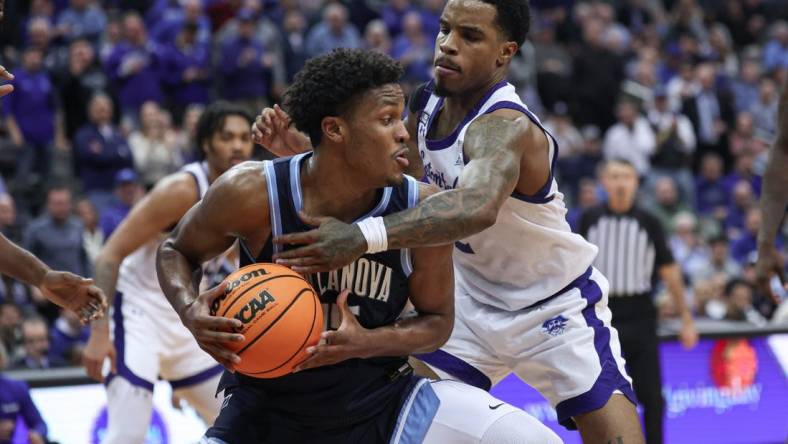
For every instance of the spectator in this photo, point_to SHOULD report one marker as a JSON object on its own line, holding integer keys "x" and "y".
{"x": 745, "y": 87}
{"x": 100, "y": 151}
{"x": 588, "y": 197}
{"x": 245, "y": 66}
{"x": 92, "y": 236}
{"x": 40, "y": 36}
{"x": 393, "y": 15}
{"x": 82, "y": 79}
{"x": 33, "y": 119}
{"x": 430, "y": 17}
{"x": 127, "y": 193}
{"x": 184, "y": 140}
{"x": 710, "y": 110}
{"x": 743, "y": 169}
{"x": 559, "y": 125}
{"x": 187, "y": 13}
{"x": 746, "y": 244}
{"x": 764, "y": 110}
{"x": 10, "y": 327}
{"x": 739, "y": 296}
{"x": 775, "y": 52}
{"x": 294, "y": 43}
{"x": 9, "y": 225}
{"x": 332, "y": 32}
{"x": 597, "y": 74}
{"x": 35, "y": 341}
{"x": 553, "y": 66}
{"x": 16, "y": 404}
{"x": 414, "y": 51}
{"x": 742, "y": 201}
{"x": 68, "y": 337}
{"x": 667, "y": 203}
{"x": 711, "y": 195}
{"x": 152, "y": 146}
{"x": 82, "y": 20}
{"x": 686, "y": 245}
{"x": 675, "y": 143}
{"x": 742, "y": 138}
{"x": 631, "y": 138}
{"x": 720, "y": 261}
{"x": 376, "y": 37}
{"x": 55, "y": 237}
{"x": 134, "y": 66}
{"x": 186, "y": 70}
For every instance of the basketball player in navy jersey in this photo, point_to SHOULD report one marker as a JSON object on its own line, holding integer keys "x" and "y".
{"x": 144, "y": 340}
{"x": 528, "y": 300}
{"x": 356, "y": 387}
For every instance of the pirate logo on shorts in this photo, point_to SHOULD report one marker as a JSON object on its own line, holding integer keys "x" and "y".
{"x": 555, "y": 326}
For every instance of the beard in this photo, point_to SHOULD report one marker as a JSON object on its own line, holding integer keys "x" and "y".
{"x": 440, "y": 91}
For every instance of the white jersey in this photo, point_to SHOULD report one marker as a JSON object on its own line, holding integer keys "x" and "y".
{"x": 137, "y": 278}
{"x": 530, "y": 253}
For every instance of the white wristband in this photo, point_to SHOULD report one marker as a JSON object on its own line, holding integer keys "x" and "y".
{"x": 374, "y": 231}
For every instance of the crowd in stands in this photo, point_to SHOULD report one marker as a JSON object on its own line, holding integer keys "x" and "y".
{"x": 107, "y": 94}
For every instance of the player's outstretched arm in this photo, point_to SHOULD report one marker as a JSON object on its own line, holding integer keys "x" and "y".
{"x": 236, "y": 206}
{"x": 494, "y": 146}
{"x": 65, "y": 289}
{"x": 774, "y": 200}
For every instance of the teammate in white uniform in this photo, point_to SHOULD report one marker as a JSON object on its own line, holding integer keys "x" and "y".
{"x": 148, "y": 340}
{"x": 528, "y": 300}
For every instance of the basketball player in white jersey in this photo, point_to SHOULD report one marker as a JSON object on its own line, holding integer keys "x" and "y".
{"x": 528, "y": 300}
{"x": 145, "y": 340}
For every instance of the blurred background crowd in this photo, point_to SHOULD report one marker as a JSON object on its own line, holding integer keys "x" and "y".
{"x": 107, "y": 94}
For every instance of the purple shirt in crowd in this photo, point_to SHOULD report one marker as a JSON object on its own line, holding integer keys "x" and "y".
{"x": 135, "y": 88}
{"x": 249, "y": 81}
{"x": 33, "y": 105}
{"x": 100, "y": 157}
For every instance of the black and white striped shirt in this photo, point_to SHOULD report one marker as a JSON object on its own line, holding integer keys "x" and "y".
{"x": 632, "y": 247}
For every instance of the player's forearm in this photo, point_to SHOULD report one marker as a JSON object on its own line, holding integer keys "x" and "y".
{"x": 422, "y": 334}
{"x": 441, "y": 219}
{"x": 774, "y": 196}
{"x": 105, "y": 277}
{"x": 671, "y": 276}
{"x": 20, "y": 264}
{"x": 177, "y": 276}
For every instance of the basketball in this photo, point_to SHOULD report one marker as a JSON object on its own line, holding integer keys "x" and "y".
{"x": 281, "y": 316}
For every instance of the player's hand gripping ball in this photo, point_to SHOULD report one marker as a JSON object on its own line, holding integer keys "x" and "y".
{"x": 280, "y": 314}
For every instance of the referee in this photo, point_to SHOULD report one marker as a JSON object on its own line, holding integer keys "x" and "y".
{"x": 633, "y": 253}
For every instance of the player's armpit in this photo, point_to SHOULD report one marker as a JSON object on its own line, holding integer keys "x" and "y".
{"x": 493, "y": 147}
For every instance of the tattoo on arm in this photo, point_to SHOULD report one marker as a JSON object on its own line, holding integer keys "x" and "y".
{"x": 493, "y": 146}
{"x": 619, "y": 440}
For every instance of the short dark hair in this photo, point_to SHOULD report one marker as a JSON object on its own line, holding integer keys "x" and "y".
{"x": 331, "y": 84}
{"x": 514, "y": 17}
{"x": 212, "y": 120}
{"x": 736, "y": 282}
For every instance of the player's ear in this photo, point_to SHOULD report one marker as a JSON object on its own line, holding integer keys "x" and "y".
{"x": 506, "y": 51}
{"x": 333, "y": 129}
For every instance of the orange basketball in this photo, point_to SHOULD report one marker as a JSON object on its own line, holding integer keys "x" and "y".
{"x": 281, "y": 316}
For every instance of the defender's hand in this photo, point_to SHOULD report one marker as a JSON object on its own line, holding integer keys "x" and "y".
{"x": 212, "y": 332}
{"x": 348, "y": 341}
{"x": 75, "y": 293}
{"x": 333, "y": 244}
{"x": 98, "y": 348}
{"x": 274, "y": 130}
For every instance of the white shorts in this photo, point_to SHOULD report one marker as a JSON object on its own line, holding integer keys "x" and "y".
{"x": 152, "y": 344}
{"x": 564, "y": 347}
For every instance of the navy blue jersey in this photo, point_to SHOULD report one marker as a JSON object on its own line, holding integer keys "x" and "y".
{"x": 357, "y": 389}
